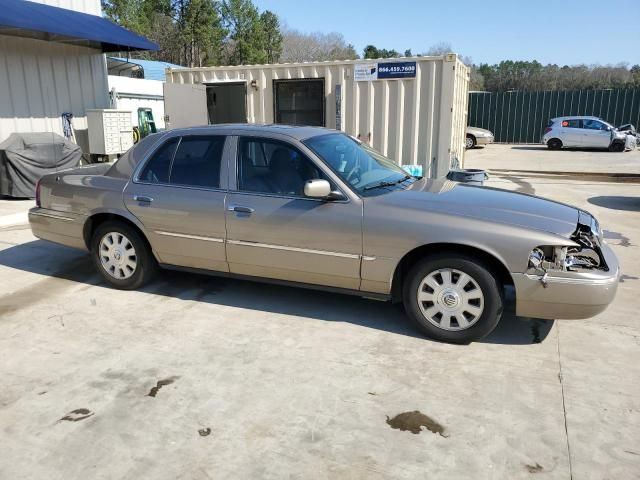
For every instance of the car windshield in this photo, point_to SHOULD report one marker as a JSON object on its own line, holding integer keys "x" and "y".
{"x": 359, "y": 165}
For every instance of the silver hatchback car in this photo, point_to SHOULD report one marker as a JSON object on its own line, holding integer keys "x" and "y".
{"x": 316, "y": 208}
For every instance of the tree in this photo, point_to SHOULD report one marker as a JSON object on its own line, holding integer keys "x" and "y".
{"x": 438, "y": 49}
{"x": 126, "y": 13}
{"x": 370, "y": 51}
{"x": 315, "y": 47}
{"x": 272, "y": 36}
{"x": 201, "y": 32}
{"x": 245, "y": 31}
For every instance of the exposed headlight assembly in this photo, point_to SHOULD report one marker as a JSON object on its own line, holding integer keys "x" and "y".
{"x": 586, "y": 256}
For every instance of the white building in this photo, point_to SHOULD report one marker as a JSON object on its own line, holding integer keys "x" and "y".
{"x": 136, "y": 84}
{"x": 52, "y": 62}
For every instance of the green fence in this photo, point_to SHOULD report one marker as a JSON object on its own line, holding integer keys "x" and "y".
{"x": 520, "y": 117}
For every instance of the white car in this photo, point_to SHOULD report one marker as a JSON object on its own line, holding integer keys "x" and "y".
{"x": 583, "y": 132}
{"x": 478, "y": 136}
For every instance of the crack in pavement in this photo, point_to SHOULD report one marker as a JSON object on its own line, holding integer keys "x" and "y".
{"x": 564, "y": 408}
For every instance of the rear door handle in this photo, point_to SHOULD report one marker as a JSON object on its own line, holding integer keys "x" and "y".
{"x": 142, "y": 198}
{"x": 240, "y": 209}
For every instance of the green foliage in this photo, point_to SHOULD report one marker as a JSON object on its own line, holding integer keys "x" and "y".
{"x": 512, "y": 75}
{"x": 246, "y": 32}
{"x": 370, "y": 51}
{"x": 272, "y": 36}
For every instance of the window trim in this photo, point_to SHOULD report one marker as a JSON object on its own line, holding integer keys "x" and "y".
{"x": 262, "y": 138}
{"x": 135, "y": 178}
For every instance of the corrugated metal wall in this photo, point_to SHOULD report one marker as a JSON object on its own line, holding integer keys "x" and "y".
{"x": 40, "y": 80}
{"x": 91, "y": 7}
{"x": 520, "y": 117}
{"x": 415, "y": 121}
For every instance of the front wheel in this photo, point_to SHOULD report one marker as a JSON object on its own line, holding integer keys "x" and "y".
{"x": 470, "y": 142}
{"x": 454, "y": 299}
{"x": 122, "y": 256}
{"x": 616, "y": 147}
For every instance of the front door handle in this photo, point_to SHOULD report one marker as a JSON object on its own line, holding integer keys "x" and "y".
{"x": 142, "y": 198}
{"x": 240, "y": 209}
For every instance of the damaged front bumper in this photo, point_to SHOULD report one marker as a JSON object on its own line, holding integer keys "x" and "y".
{"x": 568, "y": 294}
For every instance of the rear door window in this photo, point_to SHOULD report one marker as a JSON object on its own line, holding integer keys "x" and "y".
{"x": 157, "y": 168}
{"x": 197, "y": 161}
{"x": 572, "y": 123}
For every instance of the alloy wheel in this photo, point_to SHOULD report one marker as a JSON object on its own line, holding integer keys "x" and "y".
{"x": 117, "y": 255}
{"x": 450, "y": 299}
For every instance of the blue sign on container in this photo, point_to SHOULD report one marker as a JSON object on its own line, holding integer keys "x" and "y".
{"x": 397, "y": 70}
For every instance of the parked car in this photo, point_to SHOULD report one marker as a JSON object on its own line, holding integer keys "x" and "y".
{"x": 313, "y": 207}
{"x": 583, "y": 132}
{"x": 478, "y": 136}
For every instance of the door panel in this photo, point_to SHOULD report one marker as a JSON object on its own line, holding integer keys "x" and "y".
{"x": 572, "y": 133}
{"x": 185, "y": 105}
{"x": 294, "y": 239}
{"x": 274, "y": 231}
{"x": 185, "y": 224}
{"x": 595, "y": 135}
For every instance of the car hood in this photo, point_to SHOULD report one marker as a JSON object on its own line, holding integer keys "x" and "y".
{"x": 485, "y": 203}
{"x": 478, "y": 131}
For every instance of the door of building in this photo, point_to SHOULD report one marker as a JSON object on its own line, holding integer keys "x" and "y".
{"x": 299, "y": 102}
{"x": 227, "y": 102}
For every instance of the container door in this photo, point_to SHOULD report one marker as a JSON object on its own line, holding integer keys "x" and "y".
{"x": 185, "y": 105}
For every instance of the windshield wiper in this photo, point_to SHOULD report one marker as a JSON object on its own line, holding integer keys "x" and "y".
{"x": 388, "y": 184}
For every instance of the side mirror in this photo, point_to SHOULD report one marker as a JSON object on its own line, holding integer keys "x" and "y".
{"x": 317, "y": 188}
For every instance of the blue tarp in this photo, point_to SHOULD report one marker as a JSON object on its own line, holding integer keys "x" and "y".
{"x": 34, "y": 20}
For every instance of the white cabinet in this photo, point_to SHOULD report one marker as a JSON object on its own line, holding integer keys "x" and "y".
{"x": 110, "y": 131}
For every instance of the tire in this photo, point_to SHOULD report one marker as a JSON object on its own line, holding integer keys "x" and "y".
{"x": 474, "y": 309}
{"x": 119, "y": 265}
{"x": 616, "y": 147}
{"x": 554, "y": 144}
{"x": 470, "y": 142}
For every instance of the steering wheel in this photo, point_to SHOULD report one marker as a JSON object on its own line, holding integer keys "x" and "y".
{"x": 355, "y": 174}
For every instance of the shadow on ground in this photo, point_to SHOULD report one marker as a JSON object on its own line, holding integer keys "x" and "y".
{"x": 568, "y": 149}
{"x": 58, "y": 263}
{"x": 615, "y": 202}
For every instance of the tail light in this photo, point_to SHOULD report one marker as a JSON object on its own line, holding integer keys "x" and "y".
{"x": 547, "y": 130}
{"x": 38, "y": 194}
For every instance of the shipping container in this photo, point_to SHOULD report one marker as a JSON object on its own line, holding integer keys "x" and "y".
{"x": 414, "y": 110}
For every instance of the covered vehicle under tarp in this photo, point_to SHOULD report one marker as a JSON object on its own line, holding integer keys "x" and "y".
{"x": 25, "y": 157}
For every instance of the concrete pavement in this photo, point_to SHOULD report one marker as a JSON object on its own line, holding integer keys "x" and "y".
{"x": 258, "y": 381}
{"x": 540, "y": 158}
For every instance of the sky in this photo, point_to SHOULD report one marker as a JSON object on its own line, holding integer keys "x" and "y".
{"x": 566, "y": 32}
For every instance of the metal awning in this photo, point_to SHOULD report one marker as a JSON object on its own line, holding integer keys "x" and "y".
{"x": 34, "y": 20}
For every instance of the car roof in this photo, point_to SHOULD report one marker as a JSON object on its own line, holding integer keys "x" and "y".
{"x": 296, "y": 132}
{"x": 577, "y": 117}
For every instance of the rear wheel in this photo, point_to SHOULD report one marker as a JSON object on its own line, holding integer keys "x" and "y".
{"x": 453, "y": 299}
{"x": 554, "y": 144}
{"x": 122, "y": 256}
{"x": 470, "y": 142}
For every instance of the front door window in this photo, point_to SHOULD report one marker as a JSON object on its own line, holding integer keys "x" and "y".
{"x": 270, "y": 166}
